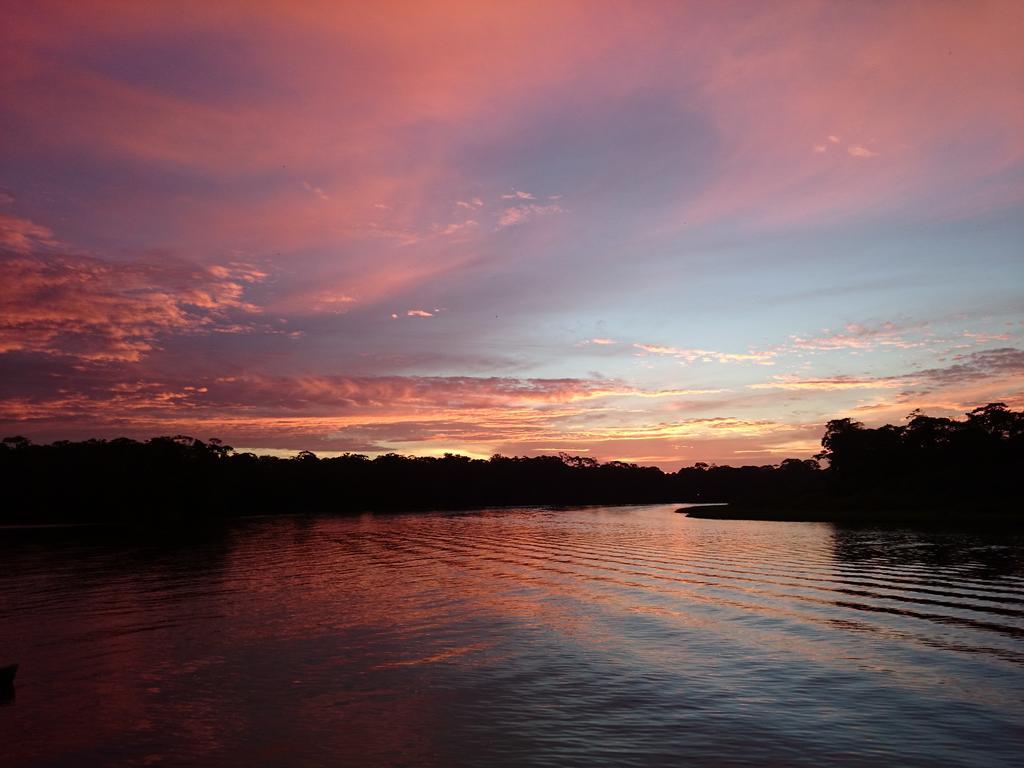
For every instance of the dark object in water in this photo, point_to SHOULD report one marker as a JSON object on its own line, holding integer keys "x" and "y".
{"x": 7, "y": 675}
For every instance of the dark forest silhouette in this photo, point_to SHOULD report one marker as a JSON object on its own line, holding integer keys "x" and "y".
{"x": 931, "y": 466}
{"x": 928, "y": 470}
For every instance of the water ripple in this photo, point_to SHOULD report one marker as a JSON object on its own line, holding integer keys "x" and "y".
{"x": 594, "y": 636}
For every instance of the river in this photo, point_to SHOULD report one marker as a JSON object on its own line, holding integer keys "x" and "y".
{"x": 598, "y": 636}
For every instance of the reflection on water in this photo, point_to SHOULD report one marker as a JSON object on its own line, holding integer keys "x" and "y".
{"x": 600, "y": 636}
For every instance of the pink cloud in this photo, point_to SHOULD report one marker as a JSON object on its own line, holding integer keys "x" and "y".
{"x": 765, "y": 357}
{"x": 315, "y": 191}
{"x": 518, "y": 195}
{"x": 858, "y": 337}
{"x": 22, "y": 236}
{"x": 520, "y": 213}
{"x": 368, "y": 413}
{"x": 334, "y": 140}
{"x": 476, "y": 414}
{"x": 98, "y": 310}
{"x": 887, "y": 85}
{"x": 858, "y": 151}
{"x": 457, "y": 227}
{"x": 986, "y": 338}
{"x": 988, "y": 371}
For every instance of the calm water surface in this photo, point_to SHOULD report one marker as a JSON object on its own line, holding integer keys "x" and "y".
{"x": 598, "y": 636}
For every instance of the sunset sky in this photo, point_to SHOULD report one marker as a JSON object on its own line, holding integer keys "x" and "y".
{"x": 658, "y": 232}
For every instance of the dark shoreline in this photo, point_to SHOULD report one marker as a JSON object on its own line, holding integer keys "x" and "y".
{"x": 868, "y": 516}
{"x": 929, "y": 472}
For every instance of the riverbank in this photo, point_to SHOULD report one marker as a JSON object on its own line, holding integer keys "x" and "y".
{"x": 964, "y": 516}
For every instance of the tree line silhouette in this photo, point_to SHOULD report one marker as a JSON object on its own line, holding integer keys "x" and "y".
{"x": 927, "y": 463}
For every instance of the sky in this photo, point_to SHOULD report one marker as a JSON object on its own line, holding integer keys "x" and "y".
{"x": 656, "y": 232}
